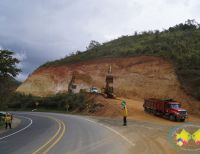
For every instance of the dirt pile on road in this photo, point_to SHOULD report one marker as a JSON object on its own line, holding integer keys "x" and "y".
{"x": 134, "y": 77}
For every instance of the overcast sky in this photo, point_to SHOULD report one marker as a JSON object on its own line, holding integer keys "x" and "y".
{"x": 44, "y": 30}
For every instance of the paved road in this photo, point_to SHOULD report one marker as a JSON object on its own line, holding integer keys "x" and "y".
{"x": 62, "y": 134}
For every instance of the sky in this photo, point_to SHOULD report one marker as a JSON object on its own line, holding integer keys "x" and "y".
{"x": 44, "y": 30}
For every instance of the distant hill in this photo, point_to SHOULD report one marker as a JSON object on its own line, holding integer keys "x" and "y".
{"x": 179, "y": 44}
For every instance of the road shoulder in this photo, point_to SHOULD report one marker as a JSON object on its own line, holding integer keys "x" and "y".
{"x": 148, "y": 137}
{"x": 15, "y": 123}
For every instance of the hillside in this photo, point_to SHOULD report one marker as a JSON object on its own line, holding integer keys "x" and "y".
{"x": 149, "y": 64}
{"x": 179, "y": 44}
{"x": 134, "y": 77}
{"x": 143, "y": 76}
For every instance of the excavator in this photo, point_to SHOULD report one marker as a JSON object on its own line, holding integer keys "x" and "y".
{"x": 108, "y": 90}
{"x": 72, "y": 85}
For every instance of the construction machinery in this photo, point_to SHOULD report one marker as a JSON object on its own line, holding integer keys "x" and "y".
{"x": 72, "y": 86}
{"x": 108, "y": 90}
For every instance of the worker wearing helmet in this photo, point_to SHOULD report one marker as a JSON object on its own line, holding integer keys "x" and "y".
{"x": 8, "y": 120}
{"x": 125, "y": 112}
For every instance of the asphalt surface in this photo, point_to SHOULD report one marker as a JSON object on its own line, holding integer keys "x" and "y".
{"x": 62, "y": 134}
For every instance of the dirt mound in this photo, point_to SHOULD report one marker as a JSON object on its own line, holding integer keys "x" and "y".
{"x": 112, "y": 108}
{"x": 135, "y": 77}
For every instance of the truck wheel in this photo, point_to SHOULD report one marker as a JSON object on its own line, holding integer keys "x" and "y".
{"x": 172, "y": 117}
{"x": 182, "y": 120}
{"x": 154, "y": 112}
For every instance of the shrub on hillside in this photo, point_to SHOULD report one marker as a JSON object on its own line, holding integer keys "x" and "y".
{"x": 59, "y": 101}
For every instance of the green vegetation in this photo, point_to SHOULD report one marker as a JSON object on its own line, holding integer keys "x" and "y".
{"x": 8, "y": 64}
{"x": 64, "y": 102}
{"x": 179, "y": 44}
{"x": 11, "y": 100}
{"x": 7, "y": 86}
{"x": 8, "y": 70}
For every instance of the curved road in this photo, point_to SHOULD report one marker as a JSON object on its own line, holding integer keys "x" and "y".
{"x": 61, "y": 134}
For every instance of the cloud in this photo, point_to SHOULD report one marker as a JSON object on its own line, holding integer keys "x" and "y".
{"x": 21, "y": 77}
{"x": 21, "y": 56}
{"x": 51, "y": 29}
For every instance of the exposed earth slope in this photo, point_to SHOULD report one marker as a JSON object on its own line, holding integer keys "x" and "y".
{"x": 179, "y": 44}
{"x": 134, "y": 77}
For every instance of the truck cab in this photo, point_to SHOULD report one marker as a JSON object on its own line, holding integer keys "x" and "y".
{"x": 176, "y": 112}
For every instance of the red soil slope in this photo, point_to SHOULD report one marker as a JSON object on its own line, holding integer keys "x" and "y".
{"x": 135, "y": 77}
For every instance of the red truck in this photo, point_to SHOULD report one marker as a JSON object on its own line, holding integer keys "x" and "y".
{"x": 167, "y": 108}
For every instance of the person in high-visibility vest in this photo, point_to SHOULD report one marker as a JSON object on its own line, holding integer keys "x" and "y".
{"x": 8, "y": 120}
{"x": 125, "y": 113}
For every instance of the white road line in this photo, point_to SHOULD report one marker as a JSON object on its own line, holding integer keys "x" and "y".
{"x": 109, "y": 128}
{"x": 31, "y": 121}
{"x": 114, "y": 131}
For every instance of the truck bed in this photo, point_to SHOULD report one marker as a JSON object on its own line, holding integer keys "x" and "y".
{"x": 155, "y": 104}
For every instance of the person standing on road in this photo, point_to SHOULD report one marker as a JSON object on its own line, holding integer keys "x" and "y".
{"x": 125, "y": 112}
{"x": 8, "y": 120}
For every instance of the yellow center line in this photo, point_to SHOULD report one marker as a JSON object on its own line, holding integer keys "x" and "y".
{"x": 52, "y": 138}
{"x": 58, "y": 139}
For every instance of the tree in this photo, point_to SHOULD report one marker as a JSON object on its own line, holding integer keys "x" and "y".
{"x": 93, "y": 44}
{"x": 188, "y": 25}
{"x": 8, "y": 70}
{"x": 8, "y": 64}
{"x": 135, "y": 33}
